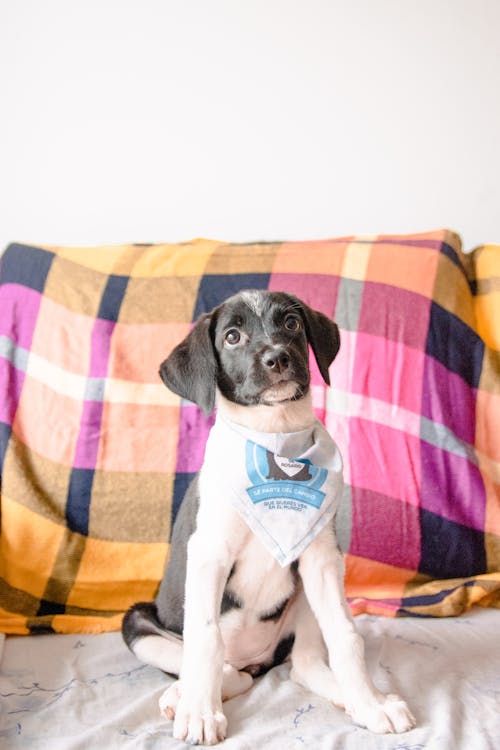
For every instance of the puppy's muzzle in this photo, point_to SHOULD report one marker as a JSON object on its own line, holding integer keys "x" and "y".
{"x": 276, "y": 361}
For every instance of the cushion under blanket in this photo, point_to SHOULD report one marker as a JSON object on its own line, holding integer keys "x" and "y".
{"x": 96, "y": 453}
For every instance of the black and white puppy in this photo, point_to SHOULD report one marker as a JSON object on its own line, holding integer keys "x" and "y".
{"x": 227, "y": 610}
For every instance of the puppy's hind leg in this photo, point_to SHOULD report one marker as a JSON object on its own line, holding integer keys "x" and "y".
{"x": 309, "y": 657}
{"x": 233, "y": 683}
{"x": 149, "y": 640}
{"x": 155, "y": 645}
{"x": 164, "y": 652}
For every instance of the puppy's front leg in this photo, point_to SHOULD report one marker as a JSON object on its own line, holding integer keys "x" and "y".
{"x": 199, "y": 718}
{"x": 322, "y": 571}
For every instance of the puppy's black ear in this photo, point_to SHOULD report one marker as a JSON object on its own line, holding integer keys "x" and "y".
{"x": 190, "y": 370}
{"x": 324, "y": 337}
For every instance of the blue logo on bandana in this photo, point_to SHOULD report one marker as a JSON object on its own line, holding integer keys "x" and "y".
{"x": 276, "y": 477}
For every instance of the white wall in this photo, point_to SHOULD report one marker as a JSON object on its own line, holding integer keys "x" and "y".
{"x": 151, "y": 120}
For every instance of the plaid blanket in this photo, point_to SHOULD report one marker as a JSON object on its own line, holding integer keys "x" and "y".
{"x": 96, "y": 453}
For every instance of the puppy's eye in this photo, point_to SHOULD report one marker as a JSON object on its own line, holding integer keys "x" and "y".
{"x": 232, "y": 337}
{"x": 292, "y": 323}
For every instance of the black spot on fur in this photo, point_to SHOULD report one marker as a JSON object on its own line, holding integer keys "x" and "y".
{"x": 283, "y": 649}
{"x": 281, "y": 653}
{"x": 275, "y": 615}
{"x": 141, "y": 620}
{"x": 229, "y": 601}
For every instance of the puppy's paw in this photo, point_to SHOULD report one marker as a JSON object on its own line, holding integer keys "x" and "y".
{"x": 169, "y": 700}
{"x": 234, "y": 683}
{"x": 390, "y": 715}
{"x": 199, "y": 725}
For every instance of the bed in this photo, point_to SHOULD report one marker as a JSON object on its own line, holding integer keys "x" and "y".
{"x": 96, "y": 454}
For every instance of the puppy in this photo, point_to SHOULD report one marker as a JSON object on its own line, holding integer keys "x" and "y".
{"x": 255, "y": 575}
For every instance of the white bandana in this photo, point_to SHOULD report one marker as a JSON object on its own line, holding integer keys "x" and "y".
{"x": 286, "y": 486}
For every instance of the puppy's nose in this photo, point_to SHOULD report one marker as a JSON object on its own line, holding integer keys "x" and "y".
{"x": 276, "y": 361}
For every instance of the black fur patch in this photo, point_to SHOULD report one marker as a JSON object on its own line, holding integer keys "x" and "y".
{"x": 229, "y": 601}
{"x": 281, "y": 653}
{"x": 276, "y": 614}
{"x": 139, "y": 621}
{"x": 283, "y": 649}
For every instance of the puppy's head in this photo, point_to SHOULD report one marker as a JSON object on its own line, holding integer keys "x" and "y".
{"x": 254, "y": 348}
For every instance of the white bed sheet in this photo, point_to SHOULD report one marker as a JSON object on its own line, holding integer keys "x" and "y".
{"x": 77, "y": 692}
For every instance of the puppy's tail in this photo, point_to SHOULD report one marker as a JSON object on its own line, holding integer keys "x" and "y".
{"x": 149, "y": 640}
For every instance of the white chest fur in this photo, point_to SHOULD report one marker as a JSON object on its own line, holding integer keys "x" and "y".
{"x": 260, "y": 585}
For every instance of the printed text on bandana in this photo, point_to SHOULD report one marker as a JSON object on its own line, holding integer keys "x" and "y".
{"x": 283, "y": 483}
